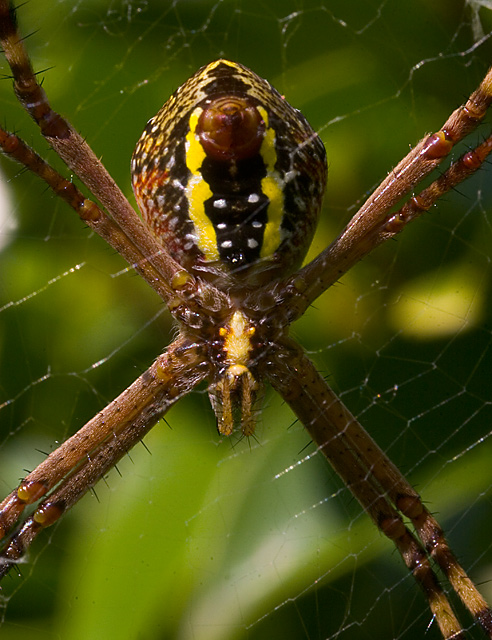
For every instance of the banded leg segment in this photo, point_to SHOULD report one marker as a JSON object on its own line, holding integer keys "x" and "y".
{"x": 79, "y": 158}
{"x": 89, "y": 213}
{"x": 409, "y": 503}
{"x": 373, "y": 224}
{"x": 355, "y": 457}
{"x": 72, "y": 469}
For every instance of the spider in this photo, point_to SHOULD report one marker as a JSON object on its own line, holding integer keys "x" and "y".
{"x": 234, "y": 288}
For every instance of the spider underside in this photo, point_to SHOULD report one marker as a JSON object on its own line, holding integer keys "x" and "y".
{"x": 229, "y": 179}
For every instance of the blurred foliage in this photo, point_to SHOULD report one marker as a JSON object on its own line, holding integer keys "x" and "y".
{"x": 201, "y": 539}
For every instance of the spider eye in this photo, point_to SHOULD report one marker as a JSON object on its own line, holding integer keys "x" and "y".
{"x": 231, "y": 128}
{"x": 230, "y": 177}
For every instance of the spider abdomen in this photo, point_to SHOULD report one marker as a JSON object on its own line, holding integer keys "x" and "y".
{"x": 230, "y": 177}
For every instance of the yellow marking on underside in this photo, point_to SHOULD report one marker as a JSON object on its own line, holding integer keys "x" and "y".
{"x": 237, "y": 342}
{"x": 272, "y": 187}
{"x": 197, "y": 191}
{"x": 234, "y": 393}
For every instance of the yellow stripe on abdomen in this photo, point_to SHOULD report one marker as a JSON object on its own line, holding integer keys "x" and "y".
{"x": 272, "y": 187}
{"x": 198, "y": 191}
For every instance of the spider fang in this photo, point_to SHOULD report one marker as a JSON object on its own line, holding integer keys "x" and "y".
{"x": 235, "y": 392}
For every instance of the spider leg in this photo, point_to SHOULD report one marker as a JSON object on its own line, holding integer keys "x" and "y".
{"x": 79, "y": 157}
{"x": 372, "y": 224}
{"x": 408, "y": 502}
{"x": 72, "y": 469}
{"x": 89, "y": 212}
{"x": 376, "y": 483}
{"x": 458, "y": 172}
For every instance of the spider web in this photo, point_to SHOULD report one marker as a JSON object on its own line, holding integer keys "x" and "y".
{"x": 212, "y": 538}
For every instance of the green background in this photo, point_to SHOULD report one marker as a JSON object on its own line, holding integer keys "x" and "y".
{"x": 207, "y": 537}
